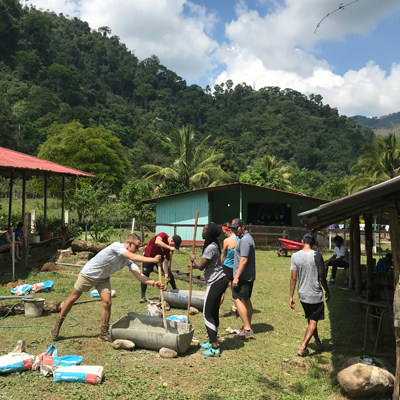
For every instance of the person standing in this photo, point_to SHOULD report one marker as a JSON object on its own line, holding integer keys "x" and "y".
{"x": 244, "y": 275}
{"x": 164, "y": 246}
{"x": 216, "y": 282}
{"x": 340, "y": 258}
{"x": 97, "y": 271}
{"x": 227, "y": 259}
{"x": 307, "y": 266}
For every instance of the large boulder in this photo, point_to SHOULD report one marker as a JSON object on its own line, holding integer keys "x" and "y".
{"x": 123, "y": 344}
{"x": 365, "y": 380}
{"x": 167, "y": 353}
{"x": 85, "y": 245}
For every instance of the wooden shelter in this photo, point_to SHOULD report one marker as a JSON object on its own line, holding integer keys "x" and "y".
{"x": 380, "y": 200}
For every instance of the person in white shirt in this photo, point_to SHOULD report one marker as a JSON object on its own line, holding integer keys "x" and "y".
{"x": 340, "y": 258}
{"x": 96, "y": 273}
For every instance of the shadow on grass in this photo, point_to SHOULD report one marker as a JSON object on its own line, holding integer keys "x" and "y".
{"x": 61, "y": 338}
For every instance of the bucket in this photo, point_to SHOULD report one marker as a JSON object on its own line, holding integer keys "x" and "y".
{"x": 33, "y": 307}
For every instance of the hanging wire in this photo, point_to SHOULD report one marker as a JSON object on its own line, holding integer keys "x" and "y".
{"x": 341, "y": 7}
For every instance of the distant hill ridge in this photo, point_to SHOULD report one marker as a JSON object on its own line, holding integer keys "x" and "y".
{"x": 391, "y": 121}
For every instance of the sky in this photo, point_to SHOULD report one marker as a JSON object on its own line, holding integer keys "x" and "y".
{"x": 353, "y": 59}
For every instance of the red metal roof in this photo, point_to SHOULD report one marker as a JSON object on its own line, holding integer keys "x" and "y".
{"x": 13, "y": 160}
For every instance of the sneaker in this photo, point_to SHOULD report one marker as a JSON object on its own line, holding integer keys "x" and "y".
{"x": 331, "y": 282}
{"x": 206, "y": 345}
{"x": 143, "y": 300}
{"x": 303, "y": 352}
{"x": 212, "y": 352}
{"x": 244, "y": 334}
{"x": 318, "y": 346}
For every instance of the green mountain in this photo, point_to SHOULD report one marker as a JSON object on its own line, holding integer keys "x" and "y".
{"x": 55, "y": 69}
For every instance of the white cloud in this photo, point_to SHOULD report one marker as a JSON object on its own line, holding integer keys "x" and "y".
{"x": 160, "y": 27}
{"x": 276, "y": 49}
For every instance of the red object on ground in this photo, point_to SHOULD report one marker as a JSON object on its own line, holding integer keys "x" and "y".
{"x": 291, "y": 244}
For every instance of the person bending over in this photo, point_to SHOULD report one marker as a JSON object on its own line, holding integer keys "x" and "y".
{"x": 96, "y": 273}
{"x": 307, "y": 266}
{"x": 162, "y": 245}
{"x": 217, "y": 283}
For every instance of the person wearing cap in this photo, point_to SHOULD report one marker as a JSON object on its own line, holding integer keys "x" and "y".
{"x": 340, "y": 258}
{"x": 162, "y": 245}
{"x": 227, "y": 260}
{"x": 307, "y": 266}
{"x": 244, "y": 274}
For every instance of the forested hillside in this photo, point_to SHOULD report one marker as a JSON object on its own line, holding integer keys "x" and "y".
{"x": 54, "y": 70}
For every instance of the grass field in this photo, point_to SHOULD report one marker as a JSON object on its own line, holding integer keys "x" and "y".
{"x": 262, "y": 368}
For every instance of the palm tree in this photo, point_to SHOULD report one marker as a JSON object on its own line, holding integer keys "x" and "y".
{"x": 380, "y": 162}
{"x": 274, "y": 173}
{"x": 193, "y": 166}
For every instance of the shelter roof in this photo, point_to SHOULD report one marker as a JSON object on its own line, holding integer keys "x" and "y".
{"x": 372, "y": 200}
{"x": 238, "y": 184}
{"x": 11, "y": 160}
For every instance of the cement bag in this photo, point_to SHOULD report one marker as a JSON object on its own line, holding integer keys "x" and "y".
{"x": 154, "y": 309}
{"x": 177, "y": 318}
{"x": 43, "y": 287}
{"x": 15, "y": 362}
{"x": 21, "y": 290}
{"x": 81, "y": 373}
{"x": 95, "y": 293}
{"x": 48, "y": 361}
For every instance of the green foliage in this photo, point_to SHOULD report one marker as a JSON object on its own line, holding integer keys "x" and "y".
{"x": 132, "y": 192}
{"x": 93, "y": 150}
{"x": 74, "y": 231}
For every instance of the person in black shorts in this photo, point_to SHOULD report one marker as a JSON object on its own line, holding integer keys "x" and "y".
{"x": 244, "y": 274}
{"x": 308, "y": 267}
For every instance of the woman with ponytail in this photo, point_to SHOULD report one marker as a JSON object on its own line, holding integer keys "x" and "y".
{"x": 217, "y": 283}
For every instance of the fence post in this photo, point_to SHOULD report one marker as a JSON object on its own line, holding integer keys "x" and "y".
{"x": 141, "y": 233}
{"x": 85, "y": 231}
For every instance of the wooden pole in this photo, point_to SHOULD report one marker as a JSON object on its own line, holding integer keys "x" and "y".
{"x": 26, "y": 238}
{"x": 395, "y": 242}
{"x": 45, "y": 199}
{"x": 162, "y": 298}
{"x": 10, "y": 199}
{"x": 357, "y": 257}
{"x": 191, "y": 269}
{"x": 369, "y": 244}
{"x": 63, "y": 202}
{"x": 353, "y": 223}
{"x": 23, "y": 194}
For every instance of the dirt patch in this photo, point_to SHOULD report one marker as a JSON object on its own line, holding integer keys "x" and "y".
{"x": 13, "y": 285}
{"x": 49, "y": 266}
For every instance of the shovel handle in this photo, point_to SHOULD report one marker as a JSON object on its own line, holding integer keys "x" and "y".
{"x": 162, "y": 298}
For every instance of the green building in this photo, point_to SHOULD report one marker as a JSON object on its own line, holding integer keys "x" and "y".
{"x": 256, "y": 205}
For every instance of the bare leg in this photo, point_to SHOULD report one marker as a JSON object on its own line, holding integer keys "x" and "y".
{"x": 74, "y": 296}
{"x": 106, "y": 313}
{"x": 312, "y": 326}
{"x": 243, "y": 310}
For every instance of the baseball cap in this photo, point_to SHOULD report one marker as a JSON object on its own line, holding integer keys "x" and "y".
{"x": 236, "y": 223}
{"x": 309, "y": 238}
{"x": 177, "y": 240}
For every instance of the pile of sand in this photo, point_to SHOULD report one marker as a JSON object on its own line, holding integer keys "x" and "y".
{"x": 49, "y": 266}
{"x": 13, "y": 285}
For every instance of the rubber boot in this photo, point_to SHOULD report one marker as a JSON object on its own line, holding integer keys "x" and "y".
{"x": 56, "y": 328}
{"x": 104, "y": 335}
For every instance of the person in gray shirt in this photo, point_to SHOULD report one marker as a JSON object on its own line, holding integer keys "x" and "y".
{"x": 96, "y": 273}
{"x": 307, "y": 266}
{"x": 216, "y": 281}
{"x": 244, "y": 274}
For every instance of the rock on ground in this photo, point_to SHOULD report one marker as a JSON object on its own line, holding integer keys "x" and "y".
{"x": 365, "y": 380}
{"x": 64, "y": 255}
{"x": 193, "y": 311}
{"x": 123, "y": 344}
{"x": 85, "y": 255}
{"x": 81, "y": 262}
{"x": 167, "y": 353}
{"x": 82, "y": 245}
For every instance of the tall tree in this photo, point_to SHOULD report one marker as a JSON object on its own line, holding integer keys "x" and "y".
{"x": 192, "y": 166}
{"x": 379, "y": 162}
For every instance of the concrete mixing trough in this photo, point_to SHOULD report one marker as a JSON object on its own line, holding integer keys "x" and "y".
{"x": 180, "y": 298}
{"x": 149, "y": 332}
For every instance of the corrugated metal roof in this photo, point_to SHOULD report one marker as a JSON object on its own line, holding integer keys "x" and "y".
{"x": 371, "y": 200}
{"x": 222, "y": 187}
{"x": 13, "y": 160}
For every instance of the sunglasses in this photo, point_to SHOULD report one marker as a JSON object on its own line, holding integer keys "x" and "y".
{"x": 136, "y": 245}
{"x": 235, "y": 229}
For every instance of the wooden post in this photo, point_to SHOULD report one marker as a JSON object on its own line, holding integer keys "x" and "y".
{"x": 357, "y": 256}
{"x": 23, "y": 195}
{"x": 45, "y": 199}
{"x": 395, "y": 241}
{"x": 63, "y": 202}
{"x": 27, "y": 234}
{"x": 10, "y": 199}
{"x": 353, "y": 223}
{"x": 369, "y": 244}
